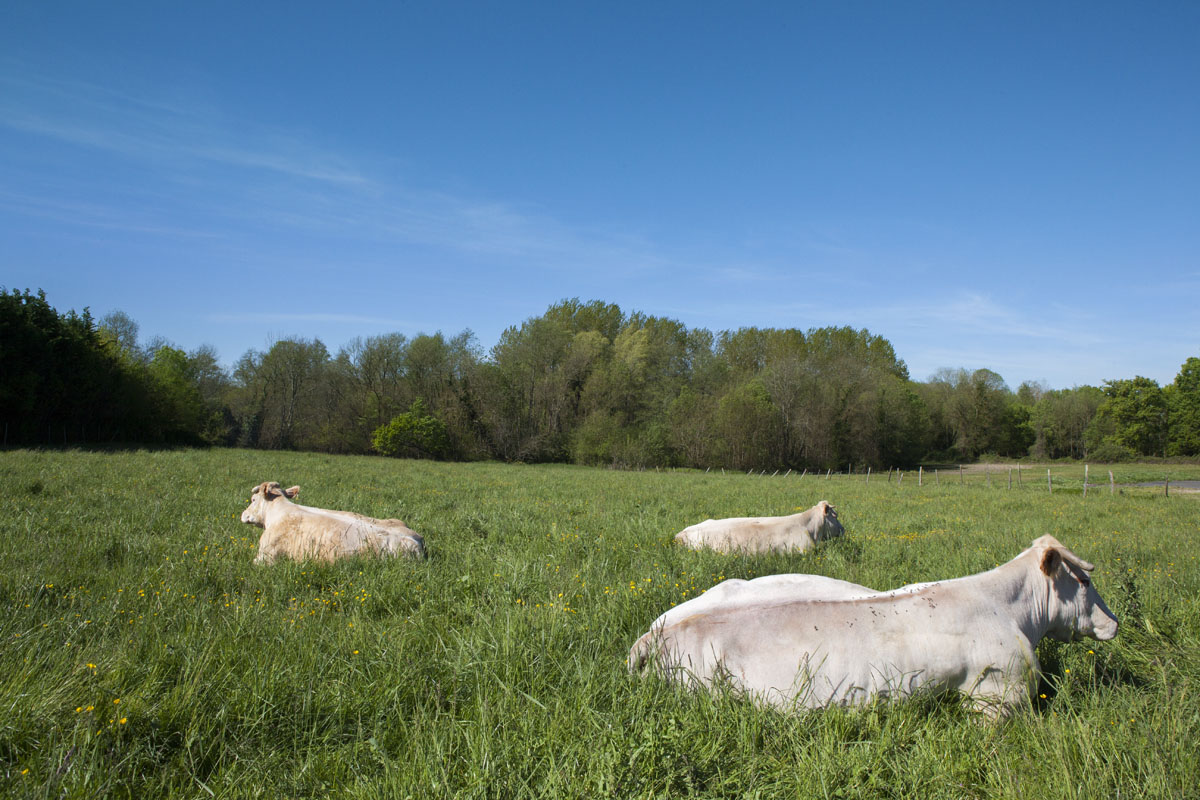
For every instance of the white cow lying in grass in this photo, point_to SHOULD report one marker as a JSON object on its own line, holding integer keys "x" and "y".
{"x": 798, "y": 532}
{"x": 767, "y": 589}
{"x": 299, "y": 532}
{"x": 976, "y": 635}
{"x": 784, "y": 587}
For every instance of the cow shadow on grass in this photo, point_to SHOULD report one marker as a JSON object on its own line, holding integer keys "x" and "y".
{"x": 1105, "y": 670}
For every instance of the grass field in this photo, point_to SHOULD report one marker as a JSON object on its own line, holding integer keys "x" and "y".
{"x": 143, "y": 655}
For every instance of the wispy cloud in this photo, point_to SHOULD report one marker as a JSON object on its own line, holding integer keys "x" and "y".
{"x": 742, "y": 274}
{"x": 89, "y": 115}
{"x": 317, "y": 191}
{"x": 321, "y": 317}
{"x": 94, "y": 215}
{"x": 979, "y": 314}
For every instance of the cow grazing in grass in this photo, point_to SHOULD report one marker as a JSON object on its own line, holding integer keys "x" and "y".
{"x": 797, "y": 532}
{"x": 976, "y": 635}
{"x": 298, "y": 532}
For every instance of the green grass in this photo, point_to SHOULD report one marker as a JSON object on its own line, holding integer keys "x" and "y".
{"x": 497, "y": 668}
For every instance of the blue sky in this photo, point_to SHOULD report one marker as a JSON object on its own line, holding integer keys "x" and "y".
{"x": 1005, "y": 185}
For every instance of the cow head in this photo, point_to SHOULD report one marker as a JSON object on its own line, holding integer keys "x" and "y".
{"x": 260, "y": 496}
{"x": 828, "y": 524}
{"x": 1074, "y": 607}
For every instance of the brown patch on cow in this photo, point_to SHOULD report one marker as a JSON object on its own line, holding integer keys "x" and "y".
{"x": 1051, "y": 561}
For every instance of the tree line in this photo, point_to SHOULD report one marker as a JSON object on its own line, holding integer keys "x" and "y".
{"x": 585, "y": 382}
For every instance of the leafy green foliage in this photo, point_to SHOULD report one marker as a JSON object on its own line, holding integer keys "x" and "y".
{"x": 975, "y": 413}
{"x": 1133, "y": 416}
{"x": 1183, "y": 401}
{"x": 748, "y": 425}
{"x": 414, "y": 434}
{"x": 176, "y": 391}
{"x": 1109, "y": 451}
{"x": 1060, "y": 420}
{"x": 585, "y": 382}
{"x": 63, "y": 381}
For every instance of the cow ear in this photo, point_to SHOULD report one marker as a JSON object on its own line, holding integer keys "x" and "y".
{"x": 271, "y": 492}
{"x": 292, "y": 492}
{"x": 1051, "y": 560}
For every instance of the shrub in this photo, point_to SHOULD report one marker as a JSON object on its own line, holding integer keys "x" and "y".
{"x": 414, "y": 434}
{"x": 1110, "y": 452}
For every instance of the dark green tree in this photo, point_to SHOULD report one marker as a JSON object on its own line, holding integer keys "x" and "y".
{"x": 748, "y": 424}
{"x": 1060, "y": 419}
{"x": 62, "y": 382}
{"x": 181, "y": 412}
{"x": 1133, "y": 416}
{"x": 280, "y": 394}
{"x": 1184, "y": 406}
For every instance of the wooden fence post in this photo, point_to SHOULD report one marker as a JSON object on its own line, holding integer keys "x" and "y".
{"x": 789, "y": 472}
{"x": 802, "y": 474}
{"x": 1018, "y": 473}
{"x": 868, "y": 475}
{"x": 1167, "y": 486}
{"x": 1049, "y": 485}
{"x": 1085, "y": 479}
{"x": 1112, "y": 484}
{"x": 921, "y": 476}
{"x": 960, "y": 475}
{"x": 899, "y": 477}
{"x": 1010, "y": 477}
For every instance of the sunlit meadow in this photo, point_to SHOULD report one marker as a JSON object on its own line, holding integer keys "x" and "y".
{"x": 143, "y": 655}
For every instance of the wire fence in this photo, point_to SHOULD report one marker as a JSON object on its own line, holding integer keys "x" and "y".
{"x": 1016, "y": 476}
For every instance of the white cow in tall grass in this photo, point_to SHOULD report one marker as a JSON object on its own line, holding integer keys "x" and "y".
{"x": 797, "y": 532}
{"x": 976, "y": 635}
{"x": 784, "y": 587}
{"x": 298, "y": 532}
{"x": 767, "y": 589}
